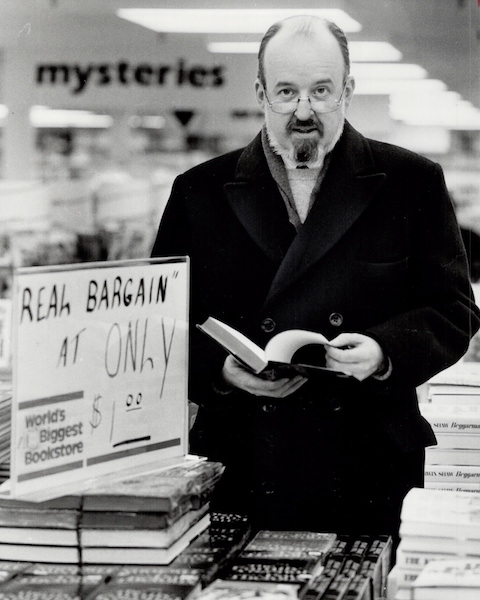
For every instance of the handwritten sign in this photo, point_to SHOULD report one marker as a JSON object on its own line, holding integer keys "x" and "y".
{"x": 100, "y": 369}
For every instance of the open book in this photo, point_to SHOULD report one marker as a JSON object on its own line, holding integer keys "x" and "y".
{"x": 288, "y": 352}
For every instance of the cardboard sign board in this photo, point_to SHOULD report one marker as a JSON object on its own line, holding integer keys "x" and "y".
{"x": 99, "y": 370}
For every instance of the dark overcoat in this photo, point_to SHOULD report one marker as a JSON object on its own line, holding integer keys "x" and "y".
{"x": 380, "y": 254}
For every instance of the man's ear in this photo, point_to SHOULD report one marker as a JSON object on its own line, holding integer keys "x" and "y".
{"x": 349, "y": 89}
{"x": 260, "y": 93}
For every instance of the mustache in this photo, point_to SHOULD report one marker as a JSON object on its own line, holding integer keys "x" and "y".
{"x": 296, "y": 124}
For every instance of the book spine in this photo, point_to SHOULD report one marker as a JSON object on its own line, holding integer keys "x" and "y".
{"x": 453, "y": 487}
{"x": 463, "y": 473}
{"x": 463, "y": 440}
{"x": 452, "y": 457}
{"x": 453, "y": 423}
{"x": 454, "y": 399}
{"x": 415, "y": 561}
{"x": 406, "y": 577}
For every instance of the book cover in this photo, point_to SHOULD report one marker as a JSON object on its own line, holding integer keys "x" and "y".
{"x": 160, "y": 491}
{"x": 249, "y": 590}
{"x": 282, "y": 556}
{"x": 141, "y": 538}
{"x": 157, "y": 574}
{"x": 278, "y": 545}
{"x": 73, "y": 502}
{"x": 139, "y": 556}
{"x": 288, "y": 352}
{"x": 47, "y": 587}
{"x": 447, "y": 579}
{"x": 133, "y": 519}
{"x": 212, "y": 551}
{"x": 142, "y": 591}
{"x": 151, "y": 582}
{"x": 30, "y": 517}
{"x": 359, "y": 588}
{"x": 284, "y": 571}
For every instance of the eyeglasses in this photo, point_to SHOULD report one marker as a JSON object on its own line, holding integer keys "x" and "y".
{"x": 323, "y": 106}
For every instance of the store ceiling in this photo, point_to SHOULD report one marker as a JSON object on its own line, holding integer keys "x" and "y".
{"x": 443, "y": 36}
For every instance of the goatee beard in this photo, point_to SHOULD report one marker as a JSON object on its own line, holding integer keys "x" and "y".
{"x": 305, "y": 151}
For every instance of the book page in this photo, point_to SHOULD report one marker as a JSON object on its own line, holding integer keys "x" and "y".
{"x": 283, "y": 346}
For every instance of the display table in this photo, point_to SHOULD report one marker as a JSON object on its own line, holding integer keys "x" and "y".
{"x": 354, "y": 567}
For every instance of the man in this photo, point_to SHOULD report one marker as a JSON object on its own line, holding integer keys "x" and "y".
{"x": 362, "y": 246}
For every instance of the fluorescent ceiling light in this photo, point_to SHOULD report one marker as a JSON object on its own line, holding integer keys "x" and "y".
{"x": 439, "y": 101}
{"x": 41, "y": 116}
{"x": 462, "y": 122}
{"x": 233, "y": 47}
{"x": 359, "y": 51}
{"x": 387, "y": 71}
{"x": 446, "y": 109}
{"x": 3, "y": 111}
{"x": 373, "y": 52}
{"x": 413, "y": 87}
{"x": 226, "y": 20}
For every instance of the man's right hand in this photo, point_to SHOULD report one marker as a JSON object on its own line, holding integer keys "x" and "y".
{"x": 236, "y": 375}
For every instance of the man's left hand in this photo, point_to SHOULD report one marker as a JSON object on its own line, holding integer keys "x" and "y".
{"x": 355, "y": 354}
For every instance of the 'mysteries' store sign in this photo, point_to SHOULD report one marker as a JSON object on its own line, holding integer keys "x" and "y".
{"x": 80, "y": 77}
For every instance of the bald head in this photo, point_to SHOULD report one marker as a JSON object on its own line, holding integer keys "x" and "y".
{"x": 305, "y": 26}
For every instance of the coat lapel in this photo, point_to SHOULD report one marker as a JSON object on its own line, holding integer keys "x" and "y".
{"x": 256, "y": 201}
{"x": 350, "y": 184}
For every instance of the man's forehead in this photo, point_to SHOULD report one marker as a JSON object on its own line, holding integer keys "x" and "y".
{"x": 316, "y": 54}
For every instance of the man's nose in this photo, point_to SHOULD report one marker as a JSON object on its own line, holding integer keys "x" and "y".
{"x": 304, "y": 109}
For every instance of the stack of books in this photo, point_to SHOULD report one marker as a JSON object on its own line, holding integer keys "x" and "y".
{"x": 356, "y": 568}
{"x": 306, "y": 565}
{"x": 37, "y": 581}
{"x": 149, "y": 582}
{"x": 457, "y": 384}
{"x": 435, "y": 525}
{"x": 454, "y": 464}
{"x": 452, "y": 408}
{"x": 147, "y": 519}
{"x": 182, "y": 579}
{"x": 283, "y": 557}
{"x": 214, "y": 550}
{"x": 347, "y": 571}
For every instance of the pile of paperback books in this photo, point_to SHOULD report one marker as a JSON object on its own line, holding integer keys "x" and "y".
{"x": 436, "y": 525}
{"x": 144, "y": 519}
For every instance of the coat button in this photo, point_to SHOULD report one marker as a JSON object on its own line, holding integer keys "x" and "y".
{"x": 267, "y": 487}
{"x": 268, "y": 325}
{"x": 269, "y": 407}
{"x": 335, "y": 319}
{"x": 336, "y": 405}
